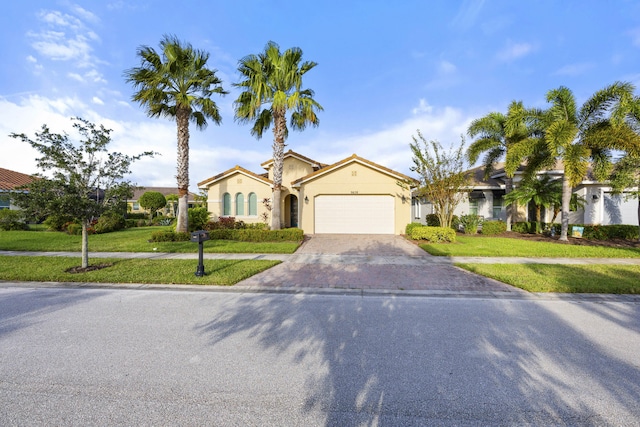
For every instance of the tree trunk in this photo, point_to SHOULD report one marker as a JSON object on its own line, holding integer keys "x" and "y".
{"x": 639, "y": 216}
{"x": 279, "y": 128}
{"x": 538, "y": 218}
{"x": 508, "y": 188}
{"x": 566, "y": 200}
{"x": 182, "y": 120}
{"x": 85, "y": 244}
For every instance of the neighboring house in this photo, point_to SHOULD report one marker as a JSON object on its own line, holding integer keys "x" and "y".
{"x": 486, "y": 199}
{"x": 133, "y": 204}
{"x": 352, "y": 196}
{"x": 9, "y": 181}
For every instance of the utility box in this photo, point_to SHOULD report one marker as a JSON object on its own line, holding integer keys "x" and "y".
{"x": 200, "y": 236}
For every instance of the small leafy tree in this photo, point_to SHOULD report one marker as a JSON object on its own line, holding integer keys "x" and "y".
{"x": 86, "y": 180}
{"x": 443, "y": 180}
{"x": 152, "y": 200}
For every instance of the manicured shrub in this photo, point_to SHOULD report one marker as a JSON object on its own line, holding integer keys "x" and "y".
{"x": 169, "y": 236}
{"x": 256, "y": 235}
{"x": 57, "y": 222}
{"x": 622, "y": 231}
{"x": 162, "y": 221}
{"x": 410, "y": 227}
{"x": 433, "y": 220}
{"x": 493, "y": 227}
{"x": 12, "y": 220}
{"x": 198, "y": 218}
{"x": 433, "y": 234}
{"x": 470, "y": 223}
{"x": 521, "y": 227}
{"x": 74, "y": 228}
{"x": 108, "y": 222}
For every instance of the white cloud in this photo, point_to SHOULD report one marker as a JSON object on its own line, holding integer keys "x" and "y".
{"x": 31, "y": 59}
{"x": 467, "y": 14}
{"x": 390, "y": 146}
{"x": 574, "y": 69}
{"x": 97, "y": 100}
{"x": 635, "y": 36}
{"x": 446, "y": 76}
{"x": 515, "y": 51}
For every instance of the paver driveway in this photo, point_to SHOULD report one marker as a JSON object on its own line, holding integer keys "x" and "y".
{"x": 370, "y": 262}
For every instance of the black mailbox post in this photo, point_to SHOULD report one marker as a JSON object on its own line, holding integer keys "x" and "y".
{"x": 199, "y": 237}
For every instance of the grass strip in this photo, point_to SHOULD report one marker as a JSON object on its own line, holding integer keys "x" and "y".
{"x": 593, "y": 278}
{"x": 131, "y": 240}
{"x": 53, "y": 269}
{"x": 506, "y": 247}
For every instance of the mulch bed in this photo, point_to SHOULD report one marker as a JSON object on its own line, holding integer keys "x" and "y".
{"x": 93, "y": 267}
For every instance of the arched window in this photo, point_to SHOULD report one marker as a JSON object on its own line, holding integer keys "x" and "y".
{"x": 253, "y": 204}
{"x": 226, "y": 204}
{"x": 239, "y": 204}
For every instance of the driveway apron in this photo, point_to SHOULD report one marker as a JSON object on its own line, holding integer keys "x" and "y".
{"x": 382, "y": 262}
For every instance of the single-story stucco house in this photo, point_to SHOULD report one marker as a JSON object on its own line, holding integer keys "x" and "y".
{"x": 9, "y": 181}
{"x": 486, "y": 199}
{"x": 352, "y": 196}
{"x": 133, "y": 204}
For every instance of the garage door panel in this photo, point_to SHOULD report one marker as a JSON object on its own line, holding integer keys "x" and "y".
{"x": 351, "y": 214}
{"x": 619, "y": 209}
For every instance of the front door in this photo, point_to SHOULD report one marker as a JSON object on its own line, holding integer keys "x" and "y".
{"x": 293, "y": 210}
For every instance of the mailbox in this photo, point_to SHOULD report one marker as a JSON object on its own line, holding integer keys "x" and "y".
{"x": 200, "y": 236}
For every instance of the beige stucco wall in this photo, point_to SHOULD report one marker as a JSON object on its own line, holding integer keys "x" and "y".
{"x": 234, "y": 184}
{"x": 353, "y": 178}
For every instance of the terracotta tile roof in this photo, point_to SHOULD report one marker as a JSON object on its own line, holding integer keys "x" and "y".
{"x": 353, "y": 158}
{"x": 235, "y": 169}
{"x": 292, "y": 153}
{"x": 139, "y": 191}
{"x": 9, "y": 179}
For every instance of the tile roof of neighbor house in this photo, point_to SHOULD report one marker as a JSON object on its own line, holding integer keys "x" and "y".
{"x": 235, "y": 169}
{"x": 353, "y": 158}
{"x": 298, "y": 156}
{"x": 139, "y": 191}
{"x": 9, "y": 179}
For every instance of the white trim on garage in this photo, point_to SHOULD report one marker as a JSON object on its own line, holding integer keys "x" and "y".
{"x": 354, "y": 214}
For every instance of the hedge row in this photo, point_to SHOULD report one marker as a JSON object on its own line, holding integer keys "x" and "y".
{"x": 490, "y": 228}
{"x": 593, "y": 232}
{"x": 255, "y": 235}
{"x": 431, "y": 234}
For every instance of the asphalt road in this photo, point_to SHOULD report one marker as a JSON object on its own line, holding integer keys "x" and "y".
{"x": 161, "y": 357}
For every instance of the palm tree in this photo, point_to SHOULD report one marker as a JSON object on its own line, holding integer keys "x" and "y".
{"x": 501, "y": 136}
{"x": 271, "y": 86}
{"x": 177, "y": 84}
{"x": 578, "y": 136}
{"x": 543, "y": 191}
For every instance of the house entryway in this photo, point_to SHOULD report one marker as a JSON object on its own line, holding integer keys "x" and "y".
{"x": 291, "y": 210}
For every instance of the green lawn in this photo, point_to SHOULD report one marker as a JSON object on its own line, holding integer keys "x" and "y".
{"x": 507, "y": 247}
{"x": 130, "y": 240}
{"x": 594, "y": 278}
{"x": 52, "y": 269}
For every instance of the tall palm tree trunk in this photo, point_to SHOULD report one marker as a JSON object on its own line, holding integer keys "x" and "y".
{"x": 566, "y": 200}
{"x": 280, "y": 124}
{"x": 510, "y": 207}
{"x": 182, "y": 120}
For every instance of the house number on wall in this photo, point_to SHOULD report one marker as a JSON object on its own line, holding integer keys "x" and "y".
{"x": 354, "y": 192}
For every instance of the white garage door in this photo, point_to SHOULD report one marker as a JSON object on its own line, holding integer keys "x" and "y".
{"x": 620, "y": 210}
{"x": 354, "y": 214}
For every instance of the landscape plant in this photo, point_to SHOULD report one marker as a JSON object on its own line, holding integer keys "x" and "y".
{"x": 271, "y": 85}
{"x": 443, "y": 180}
{"x": 12, "y": 220}
{"x": 152, "y": 200}
{"x": 85, "y": 179}
{"x": 177, "y": 84}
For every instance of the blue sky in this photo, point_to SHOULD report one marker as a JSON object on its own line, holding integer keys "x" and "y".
{"x": 385, "y": 69}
